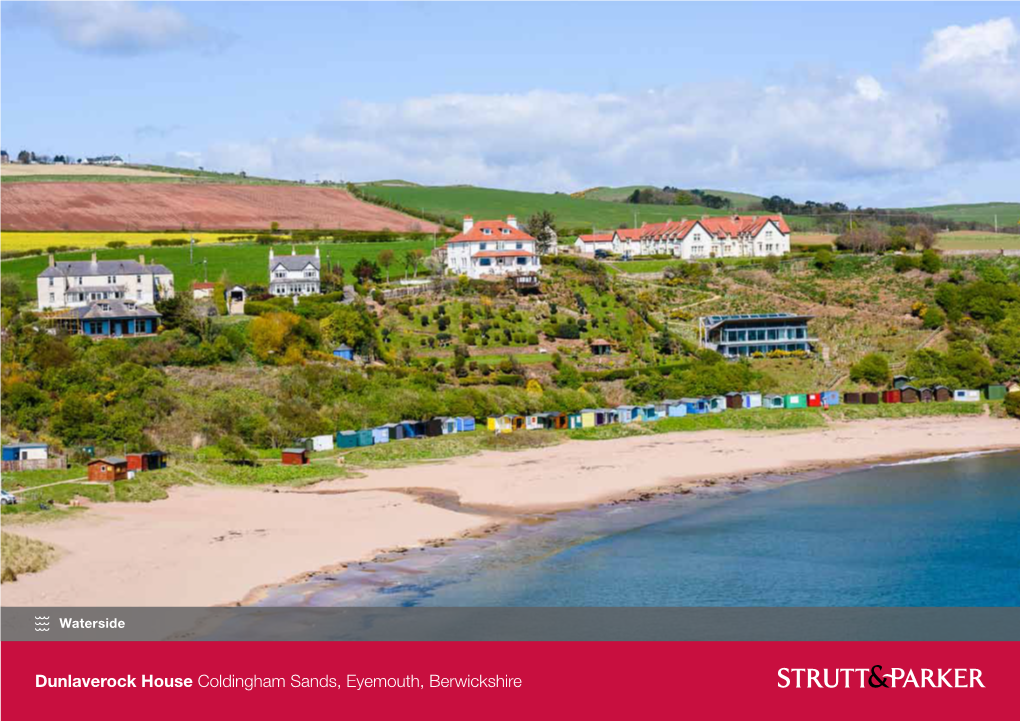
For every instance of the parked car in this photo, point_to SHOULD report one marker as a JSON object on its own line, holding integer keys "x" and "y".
{"x": 601, "y": 254}
{"x": 7, "y": 499}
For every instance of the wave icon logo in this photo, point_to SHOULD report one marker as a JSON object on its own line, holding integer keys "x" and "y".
{"x": 42, "y": 623}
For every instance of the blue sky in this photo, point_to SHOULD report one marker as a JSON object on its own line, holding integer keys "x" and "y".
{"x": 883, "y": 104}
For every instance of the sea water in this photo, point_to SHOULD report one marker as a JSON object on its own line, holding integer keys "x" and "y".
{"x": 941, "y": 533}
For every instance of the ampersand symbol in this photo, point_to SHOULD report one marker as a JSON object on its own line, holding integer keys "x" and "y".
{"x": 876, "y": 677}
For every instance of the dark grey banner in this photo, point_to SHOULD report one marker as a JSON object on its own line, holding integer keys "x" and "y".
{"x": 510, "y": 624}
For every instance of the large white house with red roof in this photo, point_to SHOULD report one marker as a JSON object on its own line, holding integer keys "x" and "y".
{"x": 732, "y": 236}
{"x": 492, "y": 248}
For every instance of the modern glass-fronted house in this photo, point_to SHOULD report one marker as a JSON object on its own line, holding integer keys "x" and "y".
{"x": 744, "y": 335}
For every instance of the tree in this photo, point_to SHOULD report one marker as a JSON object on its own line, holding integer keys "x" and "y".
{"x": 24, "y": 157}
{"x": 872, "y": 369}
{"x": 271, "y": 333}
{"x": 1012, "y": 404}
{"x": 921, "y": 235}
{"x": 234, "y": 450}
{"x": 540, "y": 227}
{"x": 365, "y": 270}
{"x": 933, "y": 319}
{"x": 412, "y": 259}
{"x": 385, "y": 259}
{"x": 353, "y": 325}
{"x": 274, "y": 226}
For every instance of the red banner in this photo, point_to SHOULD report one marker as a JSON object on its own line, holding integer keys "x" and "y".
{"x": 507, "y": 680}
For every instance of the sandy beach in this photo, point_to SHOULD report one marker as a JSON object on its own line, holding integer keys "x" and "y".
{"x": 212, "y": 545}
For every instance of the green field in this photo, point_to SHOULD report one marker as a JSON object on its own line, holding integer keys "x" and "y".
{"x": 619, "y": 195}
{"x": 243, "y": 263}
{"x": 976, "y": 240}
{"x": 488, "y": 203}
{"x": 1008, "y": 213}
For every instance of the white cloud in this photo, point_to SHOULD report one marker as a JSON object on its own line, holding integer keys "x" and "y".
{"x": 869, "y": 88}
{"x": 118, "y": 28}
{"x": 990, "y": 42}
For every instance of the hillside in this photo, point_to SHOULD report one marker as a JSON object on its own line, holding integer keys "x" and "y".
{"x": 1008, "y": 213}
{"x": 98, "y": 206}
{"x": 619, "y": 195}
{"x": 455, "y": 202}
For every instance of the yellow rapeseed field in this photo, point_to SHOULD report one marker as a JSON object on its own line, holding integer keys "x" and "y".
{"x": 13, "y": 240}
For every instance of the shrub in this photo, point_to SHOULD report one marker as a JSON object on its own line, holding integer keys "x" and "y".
{"x": 934, "y": 318}
{"x": 872, "y": 368}
{"x": 117, "y": 244}
{"x": 930, "y": 261}
{"x": 904, "y": 263}
{"x": 1012, "y": 404}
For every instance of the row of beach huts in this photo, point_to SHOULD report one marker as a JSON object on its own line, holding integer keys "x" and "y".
{"x": 595, "y": 417}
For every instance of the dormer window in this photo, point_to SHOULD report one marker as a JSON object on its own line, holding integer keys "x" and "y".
{"x": 506, "y": 231}
{"x": 486, "y": 231}
{"x": 111, "y": 279}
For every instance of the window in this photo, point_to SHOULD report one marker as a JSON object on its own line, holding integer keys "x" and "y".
{"x": 485, "y": 261}
{"x": 111, "y": 279}
{"x": 51, "y": 282}
{"x": 138, "y": 279}
{"x": 80, "y": 280}
{"x": 486, "y": 231}
{"x": 522, "y": 261}
{"x": 482, "y": 246}
{"x": 520, "y": 246}
{"x": 52, "y": 299}
{"x": 506, "y": 231}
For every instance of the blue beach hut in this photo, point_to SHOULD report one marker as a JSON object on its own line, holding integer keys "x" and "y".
{"x": 365, "y": 437}
{"x": 380, "y": 434}
{"x": 695, "y": 406}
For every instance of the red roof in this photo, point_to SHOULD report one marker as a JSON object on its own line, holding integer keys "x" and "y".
{"x": 600, "y": 238}
{"x": 496, "y": 228}
{"x": 203, "y": 286}
{"x": 720, "y": 227}
{"x": 630, "y": 233}
{"x": 503, "y": 254}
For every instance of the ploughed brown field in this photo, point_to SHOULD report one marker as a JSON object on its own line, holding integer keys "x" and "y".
{"x": 157, "y": 207}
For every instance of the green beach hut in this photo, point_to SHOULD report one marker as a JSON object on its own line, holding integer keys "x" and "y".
{"x": 995, "y": 392}
{"x": 795, "y": 400}
{"x": 574, "y": 421}
{"x": 347, "y": 439}
{"x": 365, "y": 437}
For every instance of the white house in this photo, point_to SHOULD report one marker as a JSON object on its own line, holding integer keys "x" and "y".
{"x": 588, "y": 244}
{"x": 492, "y": 248}
{"x": 294, "y": 274}
{"x": 78, "y": 283}
{"x": 733, "y": 236}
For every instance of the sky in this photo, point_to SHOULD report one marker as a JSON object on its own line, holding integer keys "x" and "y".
{"x": 875, "y": 104}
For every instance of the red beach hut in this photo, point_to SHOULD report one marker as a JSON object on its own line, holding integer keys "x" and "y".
{"x": 814, "y": 400}
{"x": 891, "y": 396}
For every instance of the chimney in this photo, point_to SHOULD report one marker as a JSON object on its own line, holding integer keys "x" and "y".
{"x": 141, "y": 259}
{"x": 511, "y": 220}
{"x": 704, "y": 217}
{"x": 316, "y": 251}
{"x": 293, "y": 249}
{"x": 469, "y": 223}
{"x": 53, "y": 260}
{"x": 683, "y": 220}
{"x": 270, "y": 255}
{"x": 94, "y": 261}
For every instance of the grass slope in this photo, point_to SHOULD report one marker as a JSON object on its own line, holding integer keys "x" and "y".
{"x": 1008, "y": 213}
{"x": 620, "y": 194}
{"x": 130, "y": 174}
{"x": 490, "y": 203}
{"x": 244, "y": 263}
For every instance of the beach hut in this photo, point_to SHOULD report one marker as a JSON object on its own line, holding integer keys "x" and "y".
{"x": 322, "y": 443}
{"x": 927, "y": 395}
{"x": 830, "y": 398}
{"x": 892, "y": 395}
{"x": 909, "y": 394}
{"x": 587, "y": 418}
{"x": 995, "y": 392}
{"x": 533, "y": 422}
{"x": 871, "y": 398}
{"x": 751, "y": 399}
{"x": 344, "y": 351}
{"x": 942, "y": 394}
{"x": 900, "y": 382}
{"x": 502, "y": 424}
{"x": 814, "y": 400}
{"x": 305, "y": 443}
{"x": 795, "y": 400}
{"x": 774, "y": 401}
{"x": 695, "y": 406}
{"x": 434, "y": 427}
{"x": 26, "y": 452}
{"x": 676, "y": 409}
{"x": 627, "y": 413}
{"x": 365, "y": 437}
{"x": 734, "y": 401}
{"x": 294, "y": 456}
{"x": 662, "y": 409}
{"x": 412, "y": 429}
{"x": 964, "y": 395}
{"x": 110, "y": 468}
{"x": 559, "y": 421}
{"x": 716, "y": 404}
{"x": 465, "y": 424}
{"x": 347, "y": 439}
{"x": 395, "y": 430}
{"x": 648, "y": 412}
{"x": 852, "y": 398}
{"x": 449, "y": 425}
{"x": 380, "y": 434}
{"x": 574, "y": 421}
{"x": 518, "y": 422}
{"x": 601, "y": 418}
{"x": 150, "y": 461}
